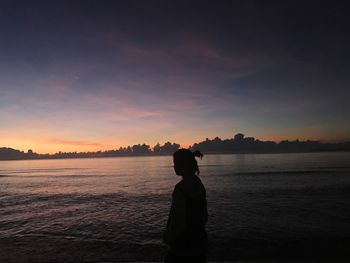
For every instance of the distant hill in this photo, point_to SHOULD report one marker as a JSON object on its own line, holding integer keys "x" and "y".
{"x": 238, "y": 144}
{"x": 12, "y": 154}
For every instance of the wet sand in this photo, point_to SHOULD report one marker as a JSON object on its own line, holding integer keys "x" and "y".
{"x": 41, "y": 249}
{"x": 34, "y": 249}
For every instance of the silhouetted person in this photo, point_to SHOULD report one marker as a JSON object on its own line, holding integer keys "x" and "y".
{"x": 185, "y": 232}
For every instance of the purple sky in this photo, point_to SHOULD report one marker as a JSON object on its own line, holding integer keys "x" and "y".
{"x": 90, "y": 75}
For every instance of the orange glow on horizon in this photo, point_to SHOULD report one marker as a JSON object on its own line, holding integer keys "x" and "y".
{"x": 55, "y": 146}
{"x": 45, "y": 142}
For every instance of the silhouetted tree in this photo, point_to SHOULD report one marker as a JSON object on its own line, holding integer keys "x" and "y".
{"x": 157, "y": 148}
{"x": 140, "y": 149}
{"x": 169, "y": 147}
{"x": 239, "y": 137}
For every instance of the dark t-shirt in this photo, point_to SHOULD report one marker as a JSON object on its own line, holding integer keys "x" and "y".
{"x": 193, "y": 239}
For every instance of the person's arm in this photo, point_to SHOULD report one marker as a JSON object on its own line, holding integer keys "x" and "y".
{"x": 177, "y": 217}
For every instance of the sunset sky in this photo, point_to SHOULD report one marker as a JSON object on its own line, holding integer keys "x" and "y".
{"x": 96, "y": 75}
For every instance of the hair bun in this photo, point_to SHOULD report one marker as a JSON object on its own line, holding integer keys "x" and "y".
{"x": 197, "y": 154}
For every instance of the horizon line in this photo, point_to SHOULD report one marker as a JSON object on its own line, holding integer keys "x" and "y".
{"x": 181, "y": 145}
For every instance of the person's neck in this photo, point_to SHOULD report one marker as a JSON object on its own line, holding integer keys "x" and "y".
{"x": 188, "y": 176}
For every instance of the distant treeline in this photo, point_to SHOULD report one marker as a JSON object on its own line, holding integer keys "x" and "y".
{"x": 237, "y": 144}
{"x": 135, "y": 150}
{"x": 241, "y": 144}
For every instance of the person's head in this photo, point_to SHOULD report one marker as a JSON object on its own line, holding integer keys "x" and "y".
{"x": 185, "y": 162}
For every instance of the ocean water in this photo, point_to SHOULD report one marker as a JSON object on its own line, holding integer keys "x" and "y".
{"x": 115, "y": 209}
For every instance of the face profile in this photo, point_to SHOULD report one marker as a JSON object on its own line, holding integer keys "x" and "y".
{"x": 179, "y": 170}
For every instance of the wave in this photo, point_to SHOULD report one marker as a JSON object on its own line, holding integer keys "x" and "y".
{"x": 35, "y": 170}
{"x": 292, "y": 172}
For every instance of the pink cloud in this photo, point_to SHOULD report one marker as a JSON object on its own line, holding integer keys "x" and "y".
{"x": 188, "y": 47}
{"x": 75, "y": 142}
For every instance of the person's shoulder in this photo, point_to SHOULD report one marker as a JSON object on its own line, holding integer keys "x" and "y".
{"x": 179, "y": 184}
{"x": 179, "y": 187}
{"x": 193, "y": 188}
{"x": 178, "y": 193}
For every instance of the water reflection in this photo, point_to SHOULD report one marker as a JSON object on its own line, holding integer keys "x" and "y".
{"x": 126, "y": 200}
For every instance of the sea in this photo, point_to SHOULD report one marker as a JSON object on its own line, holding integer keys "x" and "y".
{"x": 115, "y": 209}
